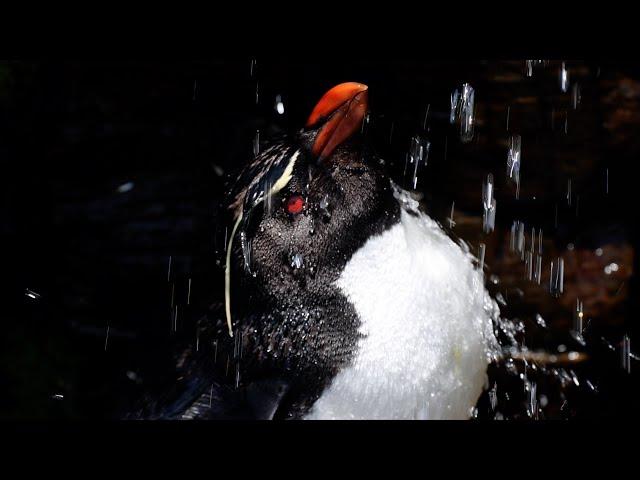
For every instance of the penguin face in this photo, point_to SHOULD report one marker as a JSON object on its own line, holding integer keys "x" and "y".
{"x": 299, "y": 238}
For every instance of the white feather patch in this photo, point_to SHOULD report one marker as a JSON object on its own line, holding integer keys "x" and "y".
{"x": 426, "y": 320}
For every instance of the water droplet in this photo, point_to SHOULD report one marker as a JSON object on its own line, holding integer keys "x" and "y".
{"x": 246, "y": 251}
{"x": 256, "y": 143}
{"x": 418, "y": 155}
{"x": 279, "y": 105}
{"x": 626, "y": 354}
{"x": 32, "y": 295}
{"x": 513, "y": 161}
{"x": 125, "y": 187}
{"x": 578, "y": 316}
{"x": 297, "y": 261}
{"x": 564, "y": 78}
{"x": 556, "y": 278}
{"x": 489, "y": 205}
{"x": 463, "y": 110}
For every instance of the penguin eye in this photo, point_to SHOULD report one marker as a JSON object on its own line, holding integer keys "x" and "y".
{"x": 295, "y": 204}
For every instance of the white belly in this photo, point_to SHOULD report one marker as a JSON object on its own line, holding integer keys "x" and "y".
{"x": 426, "y": 320}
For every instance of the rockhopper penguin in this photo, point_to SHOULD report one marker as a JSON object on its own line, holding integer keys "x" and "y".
{"x": 343, "y": 300}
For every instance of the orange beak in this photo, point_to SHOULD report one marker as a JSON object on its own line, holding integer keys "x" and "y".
{"x": 342, "y": 109}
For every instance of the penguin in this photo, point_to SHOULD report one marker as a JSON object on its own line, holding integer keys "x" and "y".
{"x": 343, "y": 299}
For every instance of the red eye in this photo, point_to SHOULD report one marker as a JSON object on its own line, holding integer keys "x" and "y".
{"x": 295, "y": 204}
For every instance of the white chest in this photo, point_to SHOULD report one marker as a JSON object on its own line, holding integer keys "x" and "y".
{"x": 425, "y": 317}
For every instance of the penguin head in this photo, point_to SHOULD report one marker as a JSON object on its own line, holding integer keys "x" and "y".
{"x": 307, "y": 203}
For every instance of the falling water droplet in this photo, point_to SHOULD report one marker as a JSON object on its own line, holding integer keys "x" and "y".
{"x": 493, "y": 397}
{"x": 365, "y": 122}
{"x": 556, "y": 277}
{"x": 537, "y": 275}
{"x": 175, "y": 319}
{"x": 31, "y": 294}
{"x": 467, "y": 114}
{"x": 564, "y": 78}
{"x": 246, "y": 251}
{"x": 533, "y": 400}
{"x": 125, "y": 187}
{"x": 418, "y": 155}
{"x": 513, "y": 161}
{"x": 529, "y": 67}
{"x": 626, "y": 354}
{"x": 450, "y": 219}
{"x": 489, "y": 205}
{"x": 297, "y": 261}
{"x": 517, "y": 243}
{"x": 463, "y": 110}
{"x": 106, "y": 340}
{"x": 455, "y": 97}
{"x": 575, "y": 95}
{"x": 256, "y": 143}
{"x": 481, "y": 255}
{"x": 578, "y": 316}
{"x": 324, "y": 206}
{"x": 279, "y": 105}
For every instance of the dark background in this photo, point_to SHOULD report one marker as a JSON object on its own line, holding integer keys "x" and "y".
{"x": 114, "y": 170}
